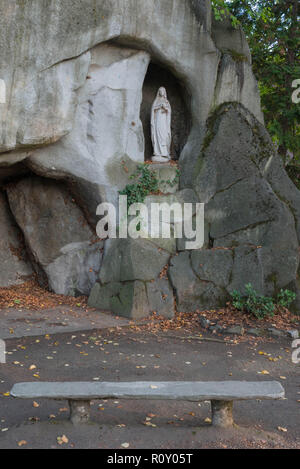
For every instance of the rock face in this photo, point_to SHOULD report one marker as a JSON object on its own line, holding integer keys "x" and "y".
{"x": 77, "y": 110}
{"x": 14, "y": 263}
{"x": 252, "y": 226}
{"x": 57, "y": 235}
{"x": 73, "y": 29}
{"x": 107, "y": 131}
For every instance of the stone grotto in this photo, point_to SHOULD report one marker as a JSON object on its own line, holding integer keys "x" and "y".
{"x": 75, "y": 122}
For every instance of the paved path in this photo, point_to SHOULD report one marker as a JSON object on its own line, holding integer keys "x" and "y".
{"x": 19, "y": 323}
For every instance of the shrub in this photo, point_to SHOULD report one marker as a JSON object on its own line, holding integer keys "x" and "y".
{"x": 261, "y": 306}
{"x": 285, "y": 298}
{"x": 253, "y": 303}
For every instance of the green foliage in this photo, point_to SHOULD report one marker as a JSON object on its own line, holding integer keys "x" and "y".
{"x": 145, "y": 183}
{"x": 261, "y": 306}
{"x": 221, "y": 11}
{"x": 174, "y": 182}
{"x": 257, "y": 305}
{"x": 273, "y": 34}
{"x": 285, "y": 298}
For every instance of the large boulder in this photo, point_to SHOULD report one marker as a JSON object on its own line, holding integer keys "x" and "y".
{"x": 238, "y": 175}
{"x": 59, "y": 240}
{"x": 131, "y": 281}
{"x": 193, "y": 292}
{"x": 15, "y": 266}
{"x": 128, "y": 299}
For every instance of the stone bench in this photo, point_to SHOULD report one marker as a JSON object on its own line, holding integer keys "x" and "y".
{"x": 221, "y": 394}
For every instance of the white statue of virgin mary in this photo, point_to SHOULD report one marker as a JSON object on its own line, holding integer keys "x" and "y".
{"x": 161, "y": 127}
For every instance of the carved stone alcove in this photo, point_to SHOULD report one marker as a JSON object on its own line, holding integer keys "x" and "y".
{"x": 156, "y": 77}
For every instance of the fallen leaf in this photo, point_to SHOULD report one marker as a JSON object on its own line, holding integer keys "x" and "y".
{"x": 22, "y": 443}
{"x": 281, "y": 429}
{"x": 62, "y": 440}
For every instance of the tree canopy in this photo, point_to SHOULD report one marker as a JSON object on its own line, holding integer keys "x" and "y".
{"x": 273, "y": 34}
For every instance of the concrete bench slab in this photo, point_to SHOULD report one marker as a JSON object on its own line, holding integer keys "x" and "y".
{"x": 221, "y": 394}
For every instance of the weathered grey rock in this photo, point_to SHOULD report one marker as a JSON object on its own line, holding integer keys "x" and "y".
{"x": 88, "y": 95}
{"x": 79, "y": 412}
{"x": 192, "y": 293}
{"x": 130, "y": 283}
{"x": 128, "y": 260}
{"x": 161, "y": 298}
{"x": 222, "y": 413}
{"x": 236, "y": 330}
{"x": 128, "y": 299}
{"x": 276, "y": 332}
{"x": 76, "y": 270}
{"x": 237, "y": 83}
{"x": 74, "y": 28}
{"x": 12, "y": 158}
{"x": 213, "y": 265}
{"x": 107, "y": 135}
{"x": 293, "y": 334}
{"x": 230, "y": 39}
{"x": 246, "y": 203}
{"x": 273, "y": 170}
{"x": 56, "y": 234}
{"x": 256, "y": 332}
{"x": 41, "y": 110}
{"x": 167, "y": 177}
{"x": 15, "y": 266}
{"x": 247, "y": 268}
{"x": 244, "y": 210}
{"x": 170, "y": 218}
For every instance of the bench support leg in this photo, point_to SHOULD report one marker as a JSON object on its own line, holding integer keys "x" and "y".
{"x": 79, "y": 411}
{"x": 222, "y": 413}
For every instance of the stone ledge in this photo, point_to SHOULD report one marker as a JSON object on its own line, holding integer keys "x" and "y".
{"x": 170, "y": 390}
{"x": 241, "y": 331}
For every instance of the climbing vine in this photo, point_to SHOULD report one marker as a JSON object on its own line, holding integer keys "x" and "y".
{"x": 145, "y": 183}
